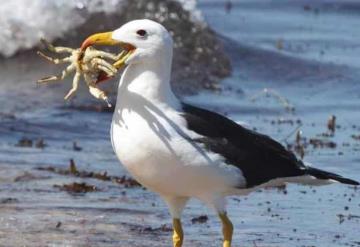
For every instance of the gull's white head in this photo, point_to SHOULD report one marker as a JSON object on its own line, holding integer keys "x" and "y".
{"x": 148, "y": 52}
{"x": 149, "y": 38}
{"x": 145, "y": 39}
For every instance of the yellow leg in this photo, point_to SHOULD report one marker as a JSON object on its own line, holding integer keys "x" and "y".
{"x": 227, "y": 228}
{"x": 178, "y": 235}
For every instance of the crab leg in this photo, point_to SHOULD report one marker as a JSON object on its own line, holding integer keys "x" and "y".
{"x": 105, "y": 66}
{"x": 57, "y": 49}
{"x": 54, "y": 60}
{"x": 95, "y": 91}
{"x": 102, "y": 62}
{"x": 104, "y": 54}
{"x": 99, "y": 94}
{"x": 75, "y": 86}
{"x": 63, "y": 74}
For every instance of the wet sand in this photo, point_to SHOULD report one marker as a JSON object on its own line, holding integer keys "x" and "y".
{"x": 35, "y": 210}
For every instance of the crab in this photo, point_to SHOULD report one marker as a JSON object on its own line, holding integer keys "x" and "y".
{"x": 90, "y": 63}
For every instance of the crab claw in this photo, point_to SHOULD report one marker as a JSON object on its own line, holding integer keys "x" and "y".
{"x": 107, "y": 39}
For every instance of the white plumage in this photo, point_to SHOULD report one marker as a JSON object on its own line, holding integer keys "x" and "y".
{"x": 181, "y": 151}
{"x": 150, "y": 137}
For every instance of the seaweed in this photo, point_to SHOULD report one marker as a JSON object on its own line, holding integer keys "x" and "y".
{"x": 77, "y": 187}
{"x": 200, "y": 220}
{"x": 127, "y": 182}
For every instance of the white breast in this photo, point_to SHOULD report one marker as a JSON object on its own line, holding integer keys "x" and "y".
{"x": 153, "y": 143}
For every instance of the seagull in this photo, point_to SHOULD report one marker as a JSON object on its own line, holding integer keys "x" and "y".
{"x": 181, "y": 151}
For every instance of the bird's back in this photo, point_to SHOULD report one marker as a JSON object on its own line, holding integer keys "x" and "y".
{"x": 260, "y": 158}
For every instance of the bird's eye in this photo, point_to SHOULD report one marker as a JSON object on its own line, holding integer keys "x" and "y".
{"x": 141, "y": 32}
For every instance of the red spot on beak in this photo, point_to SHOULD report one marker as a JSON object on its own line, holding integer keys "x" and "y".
{"x": 88, "y": 42}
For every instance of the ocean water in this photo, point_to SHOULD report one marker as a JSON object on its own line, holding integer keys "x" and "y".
{"x": 304, "y": 51}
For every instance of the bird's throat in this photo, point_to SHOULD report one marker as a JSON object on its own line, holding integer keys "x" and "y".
{"x": 148, "y": 80}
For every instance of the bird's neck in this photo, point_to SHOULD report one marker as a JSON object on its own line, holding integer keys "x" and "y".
{"x": 148, "y": 79}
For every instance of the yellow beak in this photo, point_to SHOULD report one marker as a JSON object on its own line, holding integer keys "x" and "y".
{"x": 106, "y": 39}
{"x": 99, "y": 39}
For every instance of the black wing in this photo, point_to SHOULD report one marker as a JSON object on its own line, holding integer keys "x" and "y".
{"x": 259, "y": 157}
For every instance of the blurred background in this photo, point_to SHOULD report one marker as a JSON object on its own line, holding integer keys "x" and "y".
{"x": 286, "y": 68}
